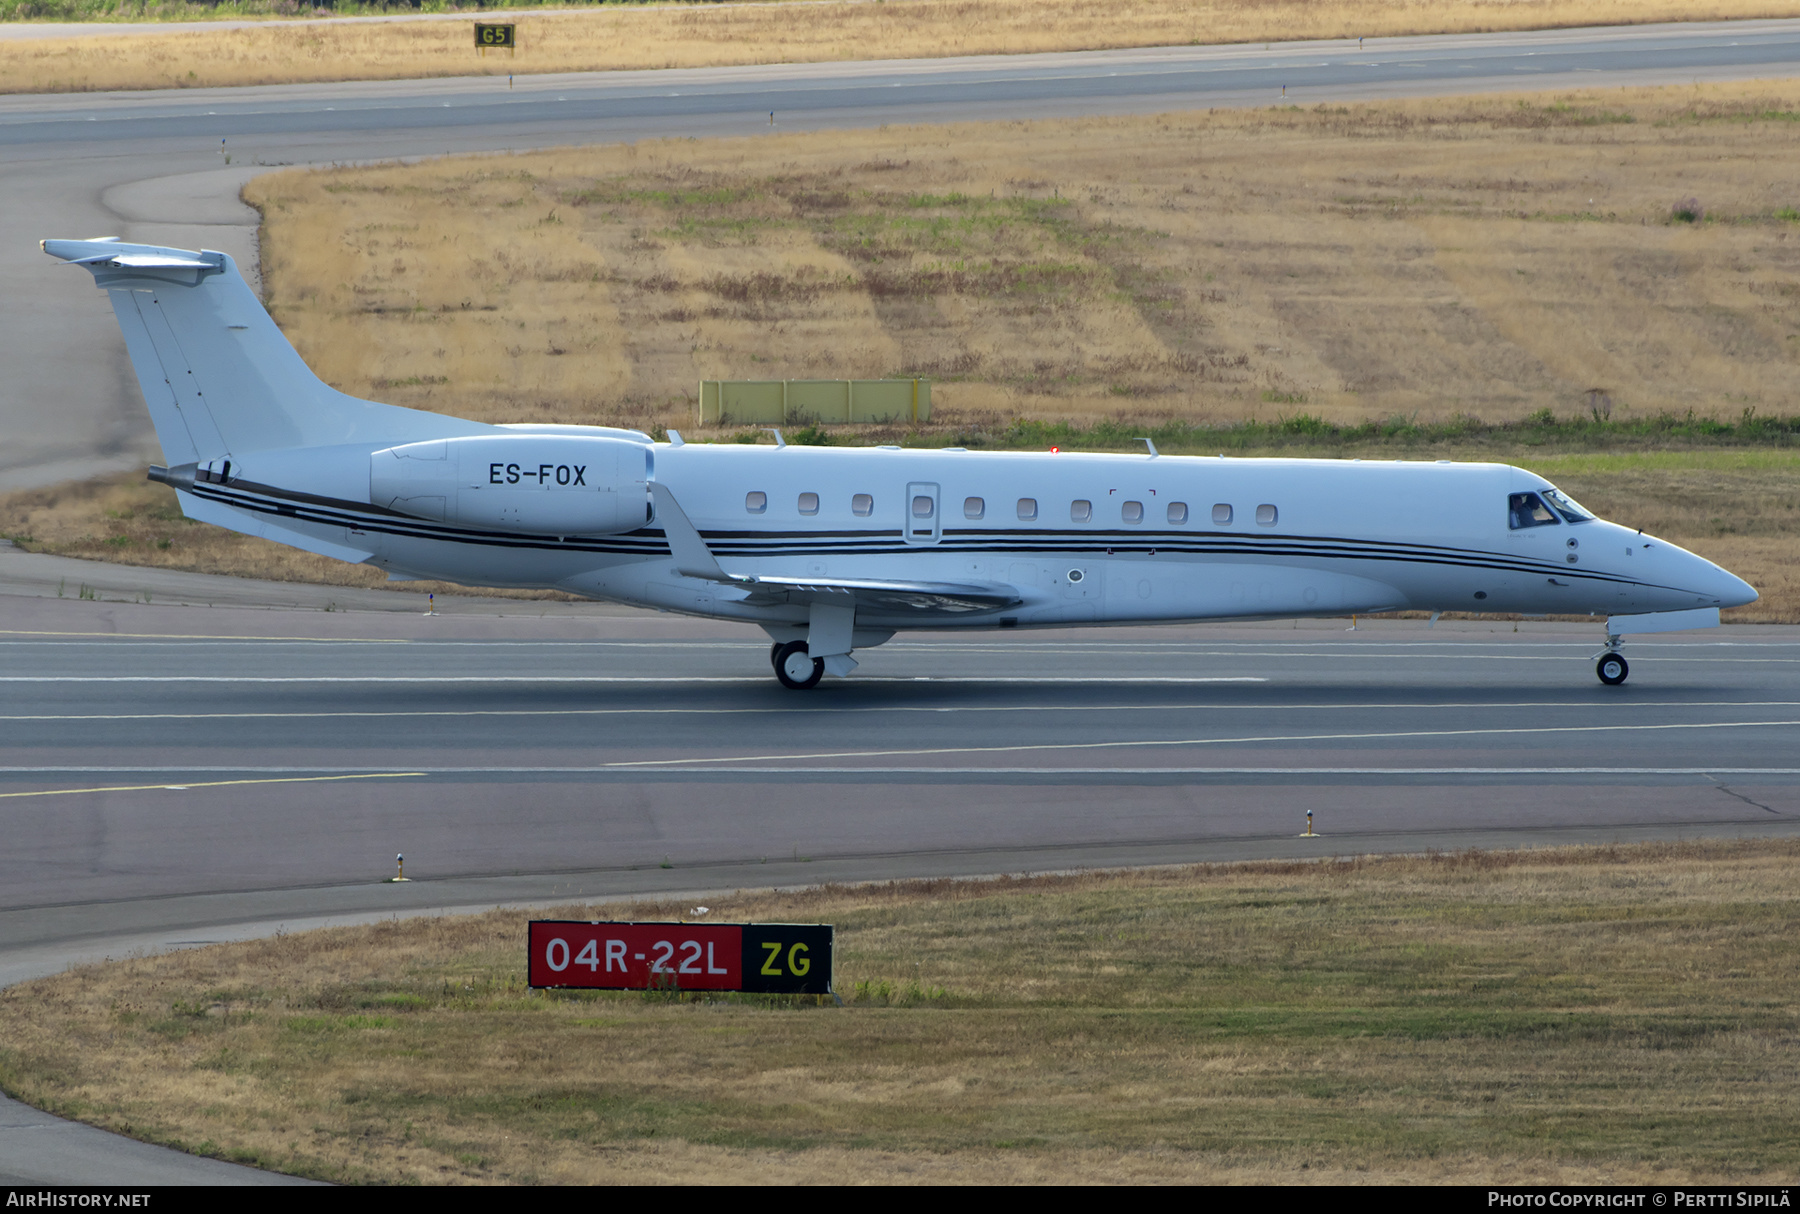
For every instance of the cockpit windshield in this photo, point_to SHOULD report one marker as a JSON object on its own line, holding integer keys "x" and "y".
{"x": 1545, "y": 508}
{"x": 1528, "y": 510}
{"x": 1571, "y": 510}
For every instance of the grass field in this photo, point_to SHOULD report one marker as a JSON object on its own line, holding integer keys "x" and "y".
{"x": 1611, "y": 1015}
{"x": 1628, "y": 253}
{"x": 631, "y": 36}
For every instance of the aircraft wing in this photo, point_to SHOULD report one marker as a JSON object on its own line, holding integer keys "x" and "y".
{"x": 694, "y": 559}
{"x": 929, "y": 598}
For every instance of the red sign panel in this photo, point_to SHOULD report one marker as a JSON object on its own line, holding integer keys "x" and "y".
{"x": 773, "y": 957}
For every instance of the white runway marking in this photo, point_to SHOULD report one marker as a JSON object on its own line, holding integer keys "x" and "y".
{"x": 1143, "y": 743}
{"x": 89, "y": 638}
{"x": 1264, "y": 648}
{"x": 541, "y": 679}
{"x": 60, "y": 792}
{"x": 66, "y": 770}
{"x": 1238, "y": 771}
{"x": 1421, "y": 652}
{"x": 409, "y": 713}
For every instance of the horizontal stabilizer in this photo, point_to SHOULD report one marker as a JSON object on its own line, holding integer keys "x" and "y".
{"x": 143, "y": 261}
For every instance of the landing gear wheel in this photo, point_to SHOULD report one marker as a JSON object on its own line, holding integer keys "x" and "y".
{"x": 775, "y": 655}
{"x": 1612, "y": 669}
{"x": 796, "y": 668}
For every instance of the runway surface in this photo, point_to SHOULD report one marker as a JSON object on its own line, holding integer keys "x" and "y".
{"x": 173, "y": 775}
{"x": 205, "y": 751}
{"x": 151, "y": 166}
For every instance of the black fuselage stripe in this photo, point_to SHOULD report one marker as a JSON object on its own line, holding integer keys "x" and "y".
{"x": 649, "y": 542}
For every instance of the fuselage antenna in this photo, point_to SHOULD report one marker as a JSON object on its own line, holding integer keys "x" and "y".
{"x": 1149, "y": 444}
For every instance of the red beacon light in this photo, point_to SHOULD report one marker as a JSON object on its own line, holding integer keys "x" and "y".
{"x": 1055, "y": 450}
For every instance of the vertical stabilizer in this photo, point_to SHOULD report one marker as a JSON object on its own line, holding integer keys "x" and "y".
{"x": 218, "y": 376}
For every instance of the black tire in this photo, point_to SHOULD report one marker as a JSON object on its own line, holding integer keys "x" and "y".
{"x": 794, "y": 654}
{"x": 1612, "y": 669}
{"x": 775, "y": 655}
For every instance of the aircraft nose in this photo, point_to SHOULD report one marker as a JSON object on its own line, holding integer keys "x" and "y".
{"x": 1738, "y": 592}
{"x": 1728, "y": 589}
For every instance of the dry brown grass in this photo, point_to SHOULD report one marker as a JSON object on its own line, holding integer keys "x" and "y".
{"x": 1611, "y": 1015}
{"x": 1413, "y": 259}
{"x": 707, "y": 36}
{"x": 1493, "y": 256}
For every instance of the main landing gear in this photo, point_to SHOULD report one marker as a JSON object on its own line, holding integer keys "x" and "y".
{"x": 1612, "y": 666}
{"x": 795, "y": 666}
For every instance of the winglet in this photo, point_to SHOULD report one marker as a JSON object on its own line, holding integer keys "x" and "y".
{"x": 692, "y": 557}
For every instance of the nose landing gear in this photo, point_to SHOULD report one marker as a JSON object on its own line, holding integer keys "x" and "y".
{"x": 1612, "y": 666}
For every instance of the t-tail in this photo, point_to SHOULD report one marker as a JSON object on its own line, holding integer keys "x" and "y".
{"x": 219, "y": 378}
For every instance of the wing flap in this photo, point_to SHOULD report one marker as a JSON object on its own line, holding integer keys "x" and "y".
{"x": 887, "y": 595}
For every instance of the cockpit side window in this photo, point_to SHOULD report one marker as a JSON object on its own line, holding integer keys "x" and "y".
{"x": 1528, "y": 510}
{"x": 1571, "y": 510}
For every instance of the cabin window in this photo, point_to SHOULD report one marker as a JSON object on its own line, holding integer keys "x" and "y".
{"x": 1528, "y": 510}
{"x": 756, "y": 502}
{"x": 1132, "y": 512}
{"x": 1178, "y": 513}
{"x": 809, "y": 503}
{"x": 862, "y": 505}
{"x": 1222, "y": 514}
{"x": 923, "y": 505}
{"x": 1027, "y": 509}
{"x": 1266, "y": 515}
{"x": 974, "y": 507}
{"x": 1080, "y": 510}
{"x": 1571, "y": 510}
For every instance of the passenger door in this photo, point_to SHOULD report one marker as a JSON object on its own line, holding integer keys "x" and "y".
{"x": 923, "y": 517}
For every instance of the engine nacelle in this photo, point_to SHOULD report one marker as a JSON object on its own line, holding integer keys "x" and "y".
{"x": 539, "y": 484}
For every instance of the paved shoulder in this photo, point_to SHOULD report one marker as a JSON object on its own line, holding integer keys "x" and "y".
{"x": 36, "y": 1148}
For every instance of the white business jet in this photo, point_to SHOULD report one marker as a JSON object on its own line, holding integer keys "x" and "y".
{"x": 831, "y": 550}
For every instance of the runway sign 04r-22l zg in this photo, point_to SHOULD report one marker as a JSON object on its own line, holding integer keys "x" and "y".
{"x": 773, "y": 958}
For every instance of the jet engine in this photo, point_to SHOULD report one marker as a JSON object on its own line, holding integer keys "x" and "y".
{"x": 539, "y": 484}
